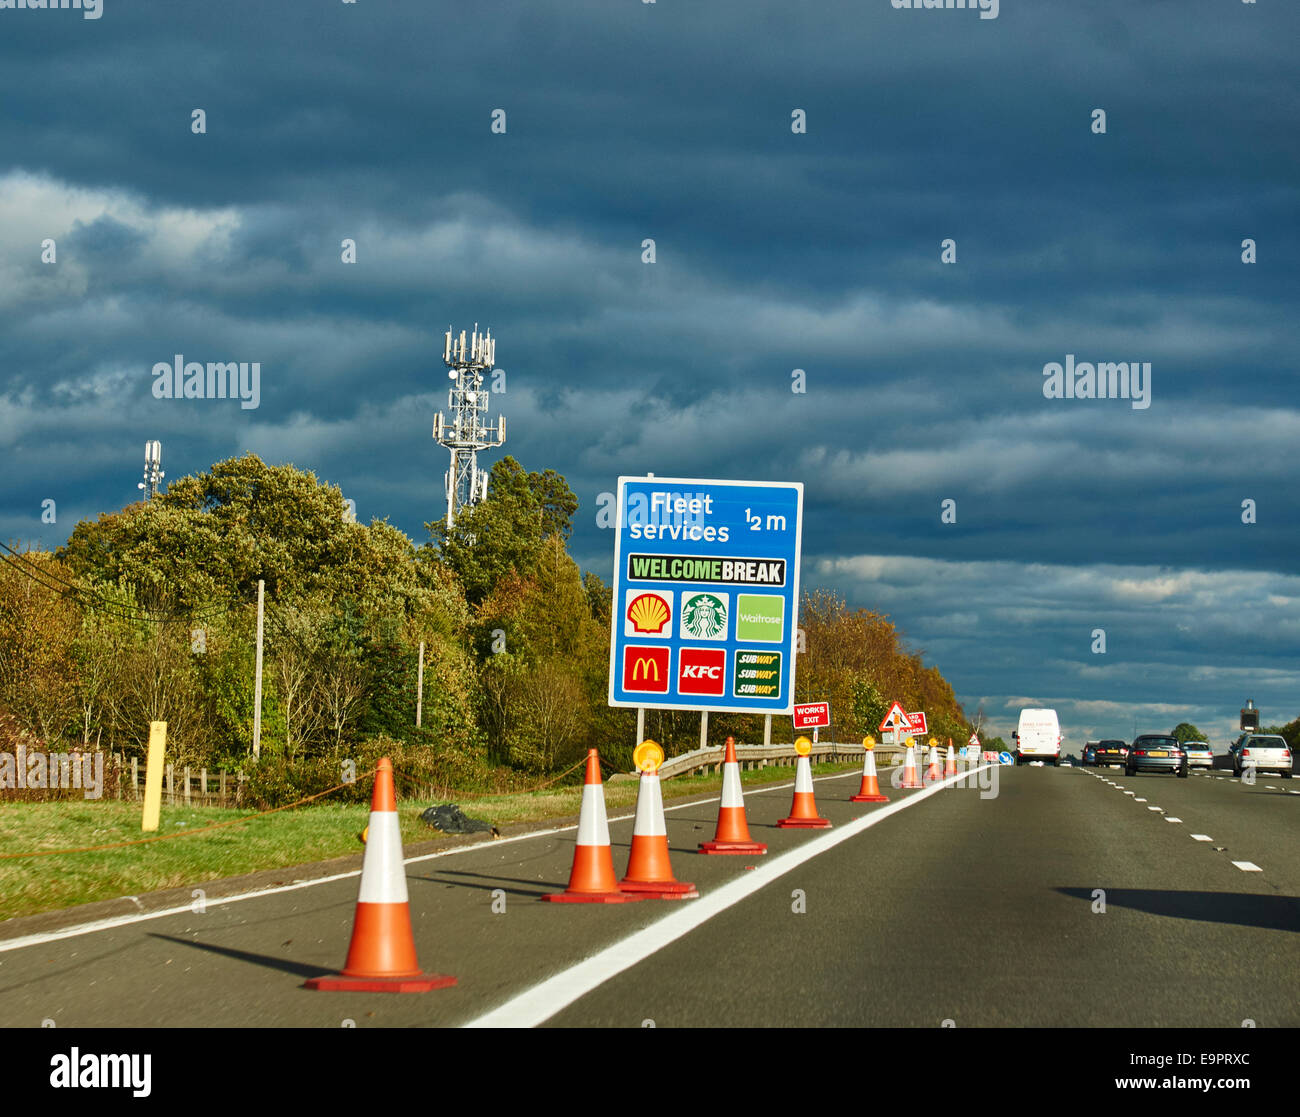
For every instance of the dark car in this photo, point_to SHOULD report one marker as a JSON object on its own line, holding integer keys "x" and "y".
{"x": 1156, "y": 752}
{"x": 1106, "y": 753}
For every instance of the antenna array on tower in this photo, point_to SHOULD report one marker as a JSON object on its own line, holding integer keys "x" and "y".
{"x": 466, "y": 430}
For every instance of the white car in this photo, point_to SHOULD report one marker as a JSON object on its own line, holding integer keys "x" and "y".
{"x": 1263, "y": 752}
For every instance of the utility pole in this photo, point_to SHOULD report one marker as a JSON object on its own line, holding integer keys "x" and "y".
{"x": 257, "y": 685}
{"x": 419, "y": 688}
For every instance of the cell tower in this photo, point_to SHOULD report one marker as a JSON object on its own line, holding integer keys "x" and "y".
{"x": 467, "y": 431}
{"x": 152, "y": 469}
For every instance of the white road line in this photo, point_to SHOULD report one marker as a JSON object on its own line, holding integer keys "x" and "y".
{"x": 1139, "y": 800}
{"x": 141, "y": 917}
{"x": 1248, "y": 867}
{"x": 1202, "y": 838}
{"x": 1128, "y": 793}
{"x": 1153, "y": 808}
{"x": 1168, "y": 819}
{"x": 538, "y": 1004}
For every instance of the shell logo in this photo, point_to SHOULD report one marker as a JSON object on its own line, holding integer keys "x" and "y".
{"x": 648, "y": 613}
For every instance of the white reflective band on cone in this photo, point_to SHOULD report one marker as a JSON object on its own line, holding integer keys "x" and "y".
{"x": 649, "y": 807}
{"x": 803, "y": 776}
{"x": 593, "y": 826}
{"x": 731, "y": 796}
{"x": 383, "y": 876}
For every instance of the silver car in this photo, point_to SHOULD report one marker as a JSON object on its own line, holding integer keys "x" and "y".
{"x": 1156, "y": 752}
{"x": 1199, "y": 754}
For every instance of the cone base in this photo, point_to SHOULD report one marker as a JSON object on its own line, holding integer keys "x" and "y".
{"x": 805, "y": 823}
{"x": 590, "y": 898}
{"x": 755, "y": 848}
{"x": 869, "y": 799}
{"x": 661, "y": 889}
{"x": 419, "y": 983}
{"x": 911, "y": 785}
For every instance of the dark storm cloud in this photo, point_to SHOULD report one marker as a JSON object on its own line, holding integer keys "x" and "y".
{"x": 775, "y": 252}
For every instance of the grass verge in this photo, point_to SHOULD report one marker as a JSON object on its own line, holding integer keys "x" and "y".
{"x": 312, "y": 833}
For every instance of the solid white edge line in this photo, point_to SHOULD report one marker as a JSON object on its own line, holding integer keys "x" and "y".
{"x": 542, "y": 1001}
{"x": 142, "y": 917}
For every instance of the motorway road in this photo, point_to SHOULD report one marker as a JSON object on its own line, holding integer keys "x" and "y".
{"x": 951, "y": 906}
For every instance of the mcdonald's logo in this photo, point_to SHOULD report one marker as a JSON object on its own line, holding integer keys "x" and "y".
{"x": 646, "y": 669}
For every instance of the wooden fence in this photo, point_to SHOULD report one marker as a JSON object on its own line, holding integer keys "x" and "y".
{"x": 124, "y": 779}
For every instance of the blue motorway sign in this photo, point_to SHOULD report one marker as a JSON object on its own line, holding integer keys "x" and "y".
{"x": 706, "y": 594}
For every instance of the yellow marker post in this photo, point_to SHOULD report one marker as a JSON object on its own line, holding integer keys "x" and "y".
{"x": 153, "y": 775}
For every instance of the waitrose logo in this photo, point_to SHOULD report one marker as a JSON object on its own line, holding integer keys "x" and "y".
{"x": 760, "y": 617}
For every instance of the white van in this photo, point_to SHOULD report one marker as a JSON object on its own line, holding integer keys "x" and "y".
{"x": 1038, "y": 737}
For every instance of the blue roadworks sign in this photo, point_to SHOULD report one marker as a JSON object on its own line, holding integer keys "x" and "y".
{"x": 706, "y": 594}
{"x": 1006, "y": 758}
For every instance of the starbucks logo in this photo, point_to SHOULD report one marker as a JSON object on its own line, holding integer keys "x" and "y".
{"x": 704, "y": 616}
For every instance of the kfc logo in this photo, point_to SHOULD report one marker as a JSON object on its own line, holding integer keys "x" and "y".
{"x": 702, "y": 671}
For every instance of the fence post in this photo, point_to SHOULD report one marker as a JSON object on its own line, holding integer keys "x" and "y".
{"x": 171, "y": 788}
{"x": 187, "y": 786}
{"x": 223, "y": 788}
{"x": 135, "y": 777}
{"x": 203, "y": 782}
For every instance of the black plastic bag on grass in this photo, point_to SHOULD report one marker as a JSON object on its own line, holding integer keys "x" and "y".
{"x": 450, "y": 819}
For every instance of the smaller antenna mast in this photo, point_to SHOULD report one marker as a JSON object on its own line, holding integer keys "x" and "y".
{"x": 153, "y": 473}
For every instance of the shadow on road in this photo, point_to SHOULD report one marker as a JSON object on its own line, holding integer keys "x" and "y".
{"x": 1273, "y": 913}
{"x": 282, "y": 964}
{"x": 539, "y": 887}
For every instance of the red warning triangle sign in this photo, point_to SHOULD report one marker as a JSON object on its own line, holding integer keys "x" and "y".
{"x": 895, "y": 719}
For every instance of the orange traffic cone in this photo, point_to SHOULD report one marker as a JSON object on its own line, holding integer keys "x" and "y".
{"x": 950, "y": 769}
{"x": 592, "y": 879}
{"x": 732, "y": 835}
{"x": 649, "y": 872}
{"x": 869, "y": 792}
{"x": 910, "y": 778}
{"x": 381, "y": 956}
{"x": 803, "y": 812}
{"x": 934, "y": 772}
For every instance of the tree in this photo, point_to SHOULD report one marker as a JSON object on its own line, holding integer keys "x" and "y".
{"x": 210, "y": 537}
{"x": 506, "y": 531}
{"x": 39, "y": 627}
{"x": 1185, "y": 731}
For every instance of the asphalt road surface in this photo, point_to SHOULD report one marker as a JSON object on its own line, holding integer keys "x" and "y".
{"x": 944, "y": 905}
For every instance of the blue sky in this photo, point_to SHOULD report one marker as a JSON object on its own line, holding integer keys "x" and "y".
{"x": 775, "y": 251}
